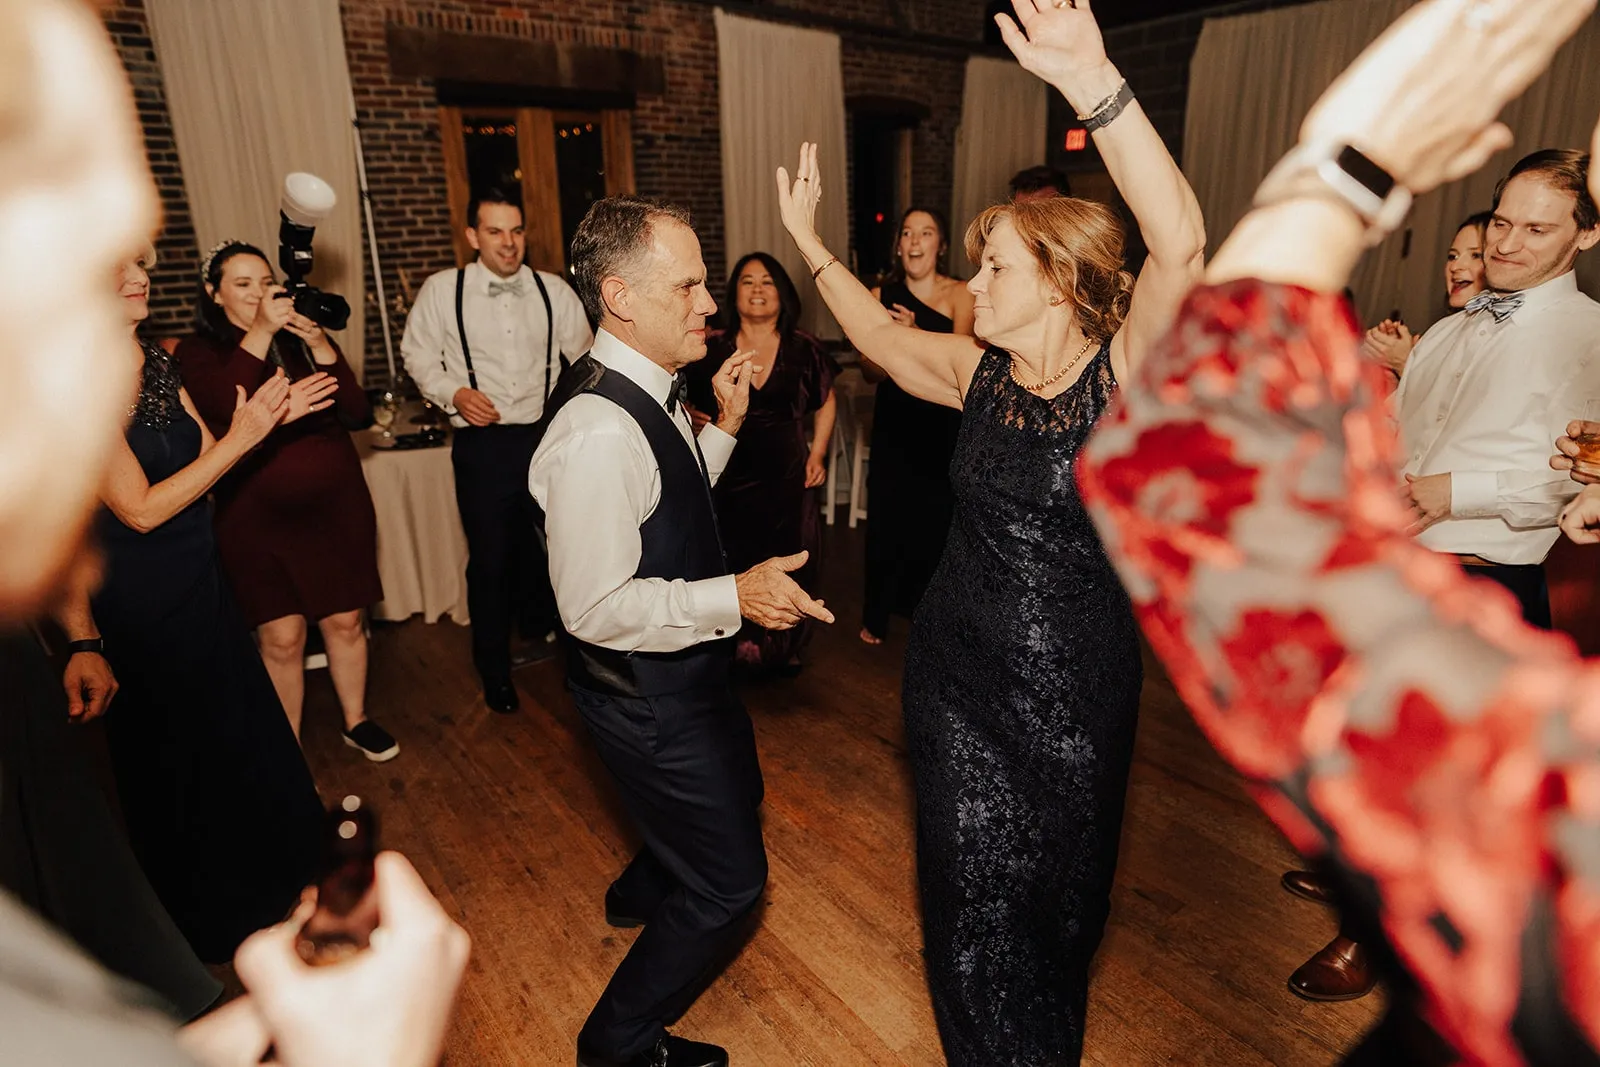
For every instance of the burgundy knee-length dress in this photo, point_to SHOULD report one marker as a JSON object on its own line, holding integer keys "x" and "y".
{"x": 295, "y": 528}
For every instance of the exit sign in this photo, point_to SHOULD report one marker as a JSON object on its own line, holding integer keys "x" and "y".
{"x": 1077, "y": 140}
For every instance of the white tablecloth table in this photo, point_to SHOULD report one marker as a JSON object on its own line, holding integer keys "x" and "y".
{"x": 422, "y": 550}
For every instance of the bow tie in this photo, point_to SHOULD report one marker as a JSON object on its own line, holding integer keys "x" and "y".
{"x": 1501, "y": 307}
{"x": 514, "y": 287}
{"x": 677, "y": 394}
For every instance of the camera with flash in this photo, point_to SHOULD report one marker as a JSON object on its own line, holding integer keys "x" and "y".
{"x": 307, "y": 200}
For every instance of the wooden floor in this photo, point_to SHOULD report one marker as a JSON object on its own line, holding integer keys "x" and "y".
{"x": 513, "y": 824}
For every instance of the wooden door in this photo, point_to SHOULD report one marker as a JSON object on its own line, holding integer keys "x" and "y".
{"x": 561, "y": 160}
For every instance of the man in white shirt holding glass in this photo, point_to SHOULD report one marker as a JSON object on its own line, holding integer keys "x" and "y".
{"x": 1486, "y": 391}
{"x": 486, "y": 344}
{"x": 644, "y": 591}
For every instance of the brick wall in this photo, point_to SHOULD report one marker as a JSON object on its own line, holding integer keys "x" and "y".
{"x": 172, "y": 282}
{"x": 677, "y": 138}
{"x": 911, "y": 49}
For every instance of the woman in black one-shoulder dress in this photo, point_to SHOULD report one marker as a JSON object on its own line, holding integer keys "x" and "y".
{"x": 1023, "y": 673}
{"x": 909, "y": 499}
{"x": 220, "y": 805}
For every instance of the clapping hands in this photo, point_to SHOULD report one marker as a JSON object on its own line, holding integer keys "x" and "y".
{"x": 1389, "y": 344}
{"x": 311, "y": 394}
{"x": 254, "y": 418}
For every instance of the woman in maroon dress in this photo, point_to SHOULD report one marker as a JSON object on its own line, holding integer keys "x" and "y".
{"x": 766, "y": 506}
{"x": 295, "y": 527}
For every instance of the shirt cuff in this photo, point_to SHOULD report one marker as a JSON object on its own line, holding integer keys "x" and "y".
{"x": 716, "y": 444}
{"x": 716, "y": 606}
{"x": 1474, "y": 494}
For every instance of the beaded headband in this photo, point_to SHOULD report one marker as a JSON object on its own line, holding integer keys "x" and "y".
{"x": 211, "y": 256}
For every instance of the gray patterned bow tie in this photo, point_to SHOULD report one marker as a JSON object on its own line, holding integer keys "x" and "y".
{"x": 514, "y": 287}
{"x": 1501, "y": 307}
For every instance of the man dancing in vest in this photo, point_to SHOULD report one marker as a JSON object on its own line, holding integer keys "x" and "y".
{"x": 643, "y": 588}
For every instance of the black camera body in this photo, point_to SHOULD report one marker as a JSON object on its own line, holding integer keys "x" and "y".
{"x": 328, "y": 310}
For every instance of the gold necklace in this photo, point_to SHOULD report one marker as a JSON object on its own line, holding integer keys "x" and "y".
{"x": 1056, "y": 377}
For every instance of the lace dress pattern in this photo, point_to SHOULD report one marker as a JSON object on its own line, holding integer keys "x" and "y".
{"x": 1021, "y": 701}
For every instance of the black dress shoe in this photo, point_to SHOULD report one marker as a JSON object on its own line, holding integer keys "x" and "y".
{"x": 668, "y": 1052}
{"x": 619, "y": 914}
{"x": 501, "y": 697}
{"x": 1308, "y": 885}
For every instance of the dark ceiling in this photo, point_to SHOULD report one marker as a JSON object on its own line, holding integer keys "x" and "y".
{"x": 1121, "y": 12}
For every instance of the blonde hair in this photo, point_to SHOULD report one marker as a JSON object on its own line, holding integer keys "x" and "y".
{"x": 1078, "y": 247}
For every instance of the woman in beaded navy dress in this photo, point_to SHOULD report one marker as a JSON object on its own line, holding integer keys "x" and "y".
{"x": 1022, "y": 677}
{"x": 220, "y": 806}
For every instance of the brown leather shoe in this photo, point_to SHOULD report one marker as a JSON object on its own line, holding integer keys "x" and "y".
{"x": 1341, "y": 971}
{"x": 1308, "y": 885}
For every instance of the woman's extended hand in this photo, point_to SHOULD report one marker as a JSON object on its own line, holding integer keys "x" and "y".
{"x": 310, "y": 394}
{"x": 1061, "y": 43}
{"x": 797, "y": 202}
{"x": 1405, "y": 104}
{"x": 254, "y": 418}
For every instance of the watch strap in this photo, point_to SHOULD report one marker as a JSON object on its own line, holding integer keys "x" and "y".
{"x": 97, "y": 645}
{"x": 1315, "y": 171}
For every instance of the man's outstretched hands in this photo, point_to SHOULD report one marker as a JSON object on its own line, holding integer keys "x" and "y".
{"x": 770, "y": 598}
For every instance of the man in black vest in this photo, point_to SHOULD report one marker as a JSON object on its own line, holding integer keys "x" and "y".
{"x": 643, "y": 588}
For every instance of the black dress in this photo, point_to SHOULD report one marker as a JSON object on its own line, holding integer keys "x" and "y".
{"x": 1021, "y": 698}
{"x": 220, "y": 806}
{"x": 908, "y": 485}
{"x": 763, "y": 506}
{"x": 61, "y": 850}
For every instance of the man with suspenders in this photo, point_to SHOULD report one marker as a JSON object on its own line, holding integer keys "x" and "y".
{"x": 486, "y": 344}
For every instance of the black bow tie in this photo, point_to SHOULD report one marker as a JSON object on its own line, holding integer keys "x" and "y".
{"x": 677, "y": 394}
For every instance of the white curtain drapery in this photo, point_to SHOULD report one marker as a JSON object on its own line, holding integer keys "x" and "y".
{"x": 1005, "y": 127}
{"x": 778, "y": 86}
{"x": 1252, "y": 81}
{"x": 258, "y": 90}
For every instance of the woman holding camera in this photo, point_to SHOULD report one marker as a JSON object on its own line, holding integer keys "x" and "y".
{"x": 295, "y": 527}
{"x": 220, "y": 807}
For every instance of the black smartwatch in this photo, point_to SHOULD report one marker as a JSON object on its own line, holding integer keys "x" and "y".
{"x": 97, "y": 645}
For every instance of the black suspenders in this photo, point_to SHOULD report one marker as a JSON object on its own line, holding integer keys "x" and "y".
{"x": 549, "y": 333}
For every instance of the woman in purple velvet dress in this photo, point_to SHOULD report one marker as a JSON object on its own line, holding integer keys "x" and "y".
{"x": 765, "y": 500}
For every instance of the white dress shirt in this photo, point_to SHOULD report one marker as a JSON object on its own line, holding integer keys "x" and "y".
{"x": 1484, "y": 402}
{"x": 506, "y": 334}
{"x": 597, "y": 480}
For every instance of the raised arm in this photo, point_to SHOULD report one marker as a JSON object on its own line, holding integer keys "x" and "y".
{"x": 1061, "y": 43}
{"x": 143, "y": 507}
{"x": 1380, "y": 701}
{"x": 933, "y": 366}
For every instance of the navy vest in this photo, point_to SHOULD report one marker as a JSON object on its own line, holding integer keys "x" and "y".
{"x": 678, "y": 540}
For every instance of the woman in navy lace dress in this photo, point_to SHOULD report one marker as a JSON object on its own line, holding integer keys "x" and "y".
{"x": 1023, "y": 672}
{"x": 220, "y": 806}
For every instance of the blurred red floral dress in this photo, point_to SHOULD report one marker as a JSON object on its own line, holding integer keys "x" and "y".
{"x": 1391, "y": 713}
